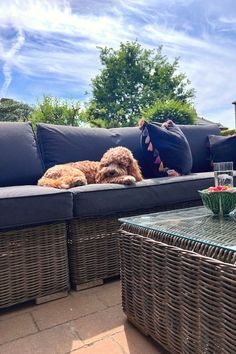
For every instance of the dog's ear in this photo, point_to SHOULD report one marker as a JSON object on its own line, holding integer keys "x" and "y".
{"x": 134, "y": 170}
{"x": 141, "y": 123}
{"x": 98, "y": 177}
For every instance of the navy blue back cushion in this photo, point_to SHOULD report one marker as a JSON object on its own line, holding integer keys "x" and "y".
{"x": 197, "y": 136}
{"x": 62, "y": 144}
{"x": 20, "y": 161}
{"x": 165, "y": 148}
{"x": 223, "y": 148}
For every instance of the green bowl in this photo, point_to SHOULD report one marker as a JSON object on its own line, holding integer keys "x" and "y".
{"x": 219, "y": 202}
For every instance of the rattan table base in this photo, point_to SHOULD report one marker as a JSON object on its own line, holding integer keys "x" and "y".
{"x": 184, "y": 300}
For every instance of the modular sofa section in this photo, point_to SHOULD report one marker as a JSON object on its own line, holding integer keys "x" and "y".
{"x": 20, "y": 159}
{"x": 22, "y": 206}
{"x": 93, "y": 233}
{"x": 33, "y": 244}
{"x": 33, "y": 264}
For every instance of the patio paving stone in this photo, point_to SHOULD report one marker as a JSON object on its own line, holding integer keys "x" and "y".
{"x": 100, "y": 324}
{"x": 57, "y": 340}
{"x": 109, "y": 293}
{"x": 133, "y": 342}
{"x": 105, "y": 346}
{"x": 61, "y": 311}
{"x": 86, "y": 322}
{"x": 16, "y": 327}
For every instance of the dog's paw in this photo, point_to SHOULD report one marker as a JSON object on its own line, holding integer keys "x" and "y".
{"x": 78, "y": 183}
{"x": 63, "y": 186}
{"x": 67, "y": 183}
{"x": 173, "y": 173}
{"x": 129, "y": 180}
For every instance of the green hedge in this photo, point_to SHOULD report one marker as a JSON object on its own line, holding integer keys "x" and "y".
{"x": 228, "y": 132}
{"x": 180, "y": 113}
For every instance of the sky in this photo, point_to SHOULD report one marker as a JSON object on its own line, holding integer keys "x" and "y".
{"x": 49, "y": 47}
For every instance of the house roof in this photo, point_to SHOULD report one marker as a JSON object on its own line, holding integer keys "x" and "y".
{"x": 203, "y": 121}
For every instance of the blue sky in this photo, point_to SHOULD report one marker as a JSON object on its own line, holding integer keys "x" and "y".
{"x": 50, "y": 47}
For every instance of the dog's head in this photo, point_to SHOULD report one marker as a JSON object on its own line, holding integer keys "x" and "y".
{"x": 116, "y": 162}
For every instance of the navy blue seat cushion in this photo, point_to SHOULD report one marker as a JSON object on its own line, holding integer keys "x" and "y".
{"x": 33, "y": 205}
{"x": 62, "y": 144}
{"x": 197, "y": 136}
{"x": 107, "y": 199}
{"x": 20, "y": 161}
{"x": 165, "y": 148}
{"x": 223, "y": 148}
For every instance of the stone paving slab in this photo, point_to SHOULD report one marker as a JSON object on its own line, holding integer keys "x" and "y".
{"x": 58, "y": 312}
{"x": 100, "y": 324}
{"x": 86, "y": 322}
{"x": 16, "y": 327}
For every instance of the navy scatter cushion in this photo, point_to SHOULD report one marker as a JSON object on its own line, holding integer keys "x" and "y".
{"x": 223, "y": 148}
{"x": 165, "y": 148}
{"x": 20, "y": 160}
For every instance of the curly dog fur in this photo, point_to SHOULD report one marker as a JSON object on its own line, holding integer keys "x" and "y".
{"x": 116, "y": 166}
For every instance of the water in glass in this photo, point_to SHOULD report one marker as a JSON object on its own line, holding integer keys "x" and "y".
{"x": 223, "y": 174}
{"x": 224, "y": 178}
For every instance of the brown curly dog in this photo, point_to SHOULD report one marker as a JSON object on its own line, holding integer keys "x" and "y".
{"x": 116, "y": 166}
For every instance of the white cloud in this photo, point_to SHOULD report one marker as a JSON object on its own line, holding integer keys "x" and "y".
{"x": 55, "y": 42}
{"x": 45, "y": 16}
{"x": 59, "y": 43}
{"x": 209, "y": 66}
{"x": 8, "y": 61}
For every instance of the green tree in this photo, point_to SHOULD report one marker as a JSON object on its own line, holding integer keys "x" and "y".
{"x": 132, "y": 79}
{"x": 14, "y": 111}
{"x": 57, "y": 111}
{"x": 179, "y": 112}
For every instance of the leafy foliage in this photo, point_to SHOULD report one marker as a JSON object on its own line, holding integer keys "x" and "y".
{"x": 132, "y": 79}
{"x": 228, "y": 132}
{"x": 179, "y": 112}
{"x": 57, "y": 111}
{"x": 14, "y": 111}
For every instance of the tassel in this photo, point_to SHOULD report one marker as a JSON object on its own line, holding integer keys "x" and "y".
{"x": 161, "y": 167}
{"x": 157, "y": 161}
{"x": 150, "y": 147}
{"x": 141, "y": 123}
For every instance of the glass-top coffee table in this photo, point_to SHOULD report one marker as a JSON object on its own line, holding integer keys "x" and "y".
{"x": 178, "y": 273}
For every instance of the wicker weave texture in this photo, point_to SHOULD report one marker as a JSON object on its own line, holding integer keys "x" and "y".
{"x": 93, "y": 249}
{"x": 182, "y": 299}
{"x": 33, "y": 263}
{"x": 93, "y": 245}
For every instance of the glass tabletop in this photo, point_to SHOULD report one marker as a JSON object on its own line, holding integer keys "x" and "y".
{"x": 197, "y": 224}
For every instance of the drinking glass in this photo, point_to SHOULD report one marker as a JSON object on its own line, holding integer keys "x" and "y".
{"x": 223, "y": 174}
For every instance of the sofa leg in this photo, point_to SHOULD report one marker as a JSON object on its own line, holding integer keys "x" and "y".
{"x": 59, "y": 295}
{"x": 90, "y": 284}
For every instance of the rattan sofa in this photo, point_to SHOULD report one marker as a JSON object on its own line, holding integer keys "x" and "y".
{"x": 93, "y": 231}
{"x": 52, "y": 239}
